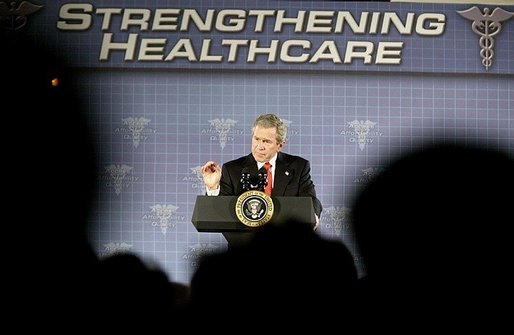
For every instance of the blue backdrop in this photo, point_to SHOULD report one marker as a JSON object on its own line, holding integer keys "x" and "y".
{"x": 157, "y": 121}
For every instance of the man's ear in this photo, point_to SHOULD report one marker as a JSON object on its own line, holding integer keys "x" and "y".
{"x": 281, "y": 145}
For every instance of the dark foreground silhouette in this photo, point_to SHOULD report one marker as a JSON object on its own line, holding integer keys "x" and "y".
{"x": 434, "y": 232}
{"x": 54, "y": 278}
{"x": 287, "y": 278}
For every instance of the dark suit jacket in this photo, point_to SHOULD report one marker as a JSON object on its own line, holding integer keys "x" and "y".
{"x": 292, "y": 177}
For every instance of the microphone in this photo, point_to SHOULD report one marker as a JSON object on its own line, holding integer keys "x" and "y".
{"x": 245, "y": 179}
{"x": 263, "y": 178}
{"x": 254, "y": 183}
{"x": 257, "y": 182}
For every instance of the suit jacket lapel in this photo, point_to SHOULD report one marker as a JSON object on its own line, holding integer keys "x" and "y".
{"x": 251, "y": 164}
{"x": 283, "y": 175}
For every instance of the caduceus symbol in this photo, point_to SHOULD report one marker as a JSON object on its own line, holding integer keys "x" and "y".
{"x": 486, "y": 26}
{"x": 222, "y": 127}
{"x": 136, "y": 126}
{"x": 338, "y": 216}
{"x": 14, "y": 18}
{"x": 164, "y": 213}
{"x": 117, "y": 173}
{"x": 361, "y": 129}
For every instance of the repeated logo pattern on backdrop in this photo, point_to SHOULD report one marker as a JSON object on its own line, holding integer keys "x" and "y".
{"x": 357, "y": 83}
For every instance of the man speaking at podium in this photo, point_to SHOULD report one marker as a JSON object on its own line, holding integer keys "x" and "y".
{"x": 287, "y": 175}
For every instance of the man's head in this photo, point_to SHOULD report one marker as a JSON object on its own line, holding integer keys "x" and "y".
{"x": 268, "y": 137}
{"x": 437, "y": 214}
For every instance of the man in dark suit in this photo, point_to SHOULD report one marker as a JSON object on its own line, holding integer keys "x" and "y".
{"x": 290, "y": 175}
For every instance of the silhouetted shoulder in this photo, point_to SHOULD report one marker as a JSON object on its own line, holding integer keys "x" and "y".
{"x": 287, "y": 272}
{"x": 432, "y": 231}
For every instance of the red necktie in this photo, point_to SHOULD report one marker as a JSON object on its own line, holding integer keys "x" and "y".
{"x": 267, "y": 190}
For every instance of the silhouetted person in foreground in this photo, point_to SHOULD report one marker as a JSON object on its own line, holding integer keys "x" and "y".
{"x": 56, "y": 279}
{"x": 286, "y": 277}
{"x": 433, "y": 229}
{"x": 50, "y": 165}
{"x": 133, "y": 295}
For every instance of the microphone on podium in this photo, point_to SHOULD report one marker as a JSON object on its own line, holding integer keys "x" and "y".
{"x": 257, "y": 182}
{"x": 245, "y": 179}
{"x": 263, "y": 178}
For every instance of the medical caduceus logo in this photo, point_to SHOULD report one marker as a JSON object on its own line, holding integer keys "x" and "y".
{"x": 136, "y": 126}
{"x": 14, "y": 17}
{"x": 222, "y": 127}
{"x": 487, "y": 26}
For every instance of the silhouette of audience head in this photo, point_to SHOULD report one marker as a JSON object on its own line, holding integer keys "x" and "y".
{"x": 432, "y": 231}
{"x": 51, "y": 158}
{"x": 136, "y": 295}
{"x": 286, "y": 275}
{"x": 50, "y": 150}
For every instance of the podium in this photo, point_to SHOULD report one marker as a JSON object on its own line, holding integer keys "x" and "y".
{"x": 217, "y": 214}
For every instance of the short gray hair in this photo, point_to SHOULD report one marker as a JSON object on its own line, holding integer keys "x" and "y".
{"x": 272, "y": 121}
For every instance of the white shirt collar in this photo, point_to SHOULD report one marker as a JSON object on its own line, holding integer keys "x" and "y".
{"x": 272, "y": 161}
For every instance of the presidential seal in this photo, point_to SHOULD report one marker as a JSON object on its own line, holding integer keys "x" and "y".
{"x": 254, "y": 208}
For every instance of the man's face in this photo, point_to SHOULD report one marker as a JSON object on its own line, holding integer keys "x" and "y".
{"x": 264, "y": 144}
